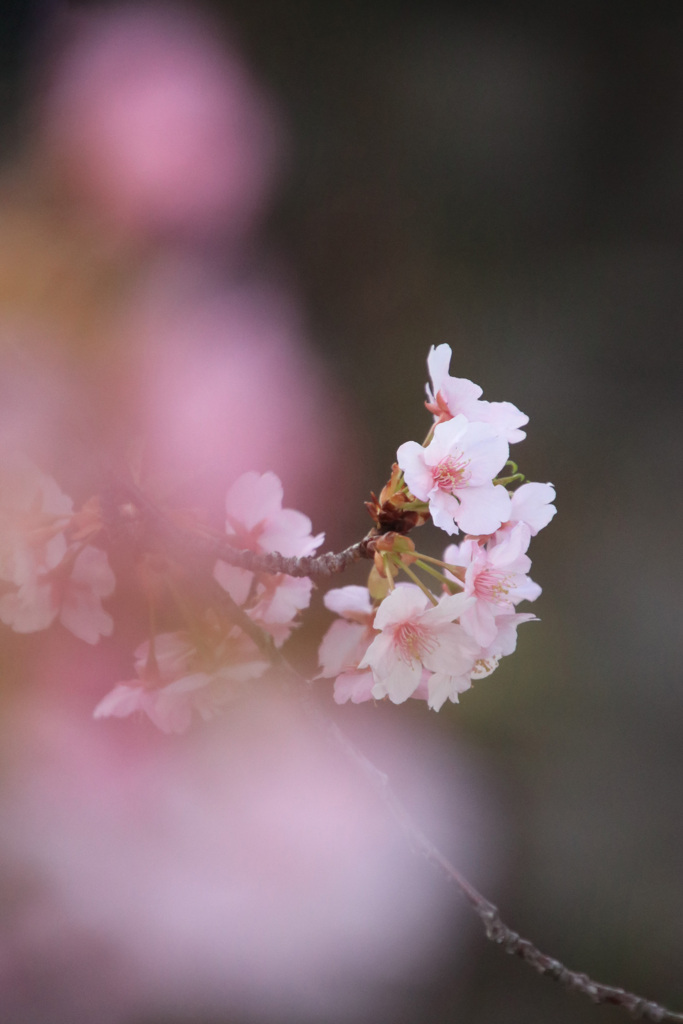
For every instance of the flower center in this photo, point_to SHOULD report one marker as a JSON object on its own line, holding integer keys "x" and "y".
{"x": 493, "y": 585}
{"x": 484, "y": 667}
{"x": 452, "y": 472}
{"x": 413, "y": 641}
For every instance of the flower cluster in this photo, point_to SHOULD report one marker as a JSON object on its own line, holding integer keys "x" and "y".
{"x": 401, "y": 640}
{"x": 392, "y": 639}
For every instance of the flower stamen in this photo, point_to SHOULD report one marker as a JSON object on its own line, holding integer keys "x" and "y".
{"x": 493, "y": 585}
{"x": 413, "y": 642}
{"x": 452, "y": 473}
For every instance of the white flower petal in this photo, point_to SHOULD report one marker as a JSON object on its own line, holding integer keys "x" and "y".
{"x": 253, "y": 497}
{"x": 349, "y": 601}
{"x": 237, "y": 582}
{"x": 82, "y": 614}
{"x": 531, "y": 504}
{"x": 455, "y": 652}
{"x": 483, "y": 509}
{"x": 486, "y": 452}
{"x": 445, "y": 511}
{"x": 401, "y": 604}
{"x": 400, "y": 683}
{"x": 353, "y": 686}
{"x": 342, "y": 647}
{"x": 443, "y": 687}
{"x": 123, "y": 700}
{"x": 30, "y": 608}
{"x": 418, "y": 476}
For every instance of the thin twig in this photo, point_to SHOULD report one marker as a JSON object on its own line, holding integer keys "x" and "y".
{"x": 495, "y": 928}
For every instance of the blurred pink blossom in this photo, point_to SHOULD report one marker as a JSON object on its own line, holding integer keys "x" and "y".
{"x": 157, "y": 124}
{"x": 71, "y": 593}
{"x": 255, "y": 518}
{"x": 179, "y": 679}
{"x": 33, "y": 513}
{"x": 243, "y": 868}
{"x": 256, "y": 521}
{"x": 229, "y": 385}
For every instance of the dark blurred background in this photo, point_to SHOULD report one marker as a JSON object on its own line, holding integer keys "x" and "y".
{"x": 508, "y": 180}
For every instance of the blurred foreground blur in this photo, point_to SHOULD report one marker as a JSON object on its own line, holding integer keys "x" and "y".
{"x": 244, "y": 871}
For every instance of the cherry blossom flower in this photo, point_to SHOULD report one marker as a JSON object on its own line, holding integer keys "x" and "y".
{"x": 177, "y": 681}
{"x": 278, "y": 601}
{"x": 33, "y": 514}
{"x": 257, "y": 521}
{"x": 169, "y": 707}
{"x": 496, "y": 577}
{"x": 346, "y": 642}
{"x": 455, "y": 472}
{"x": 448, "y": 395}
{"x": 416, "y": 635}
{"x": 504, "y": 643}
{"x": 71, "y": 592}
{"x": 273, "y": 600}
{"x": 422, "y": 652}
{"x": 451, "y": 396}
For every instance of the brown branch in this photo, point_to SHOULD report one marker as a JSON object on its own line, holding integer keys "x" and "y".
{"x": 496, "y": 929}
{"x": 326, "y": 565}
